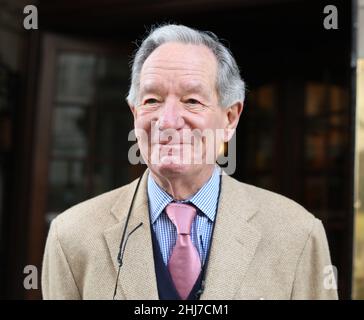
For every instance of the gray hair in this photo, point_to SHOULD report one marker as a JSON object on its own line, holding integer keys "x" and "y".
{"x": 230, "y": 86}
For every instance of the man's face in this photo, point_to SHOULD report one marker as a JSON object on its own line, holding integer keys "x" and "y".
{"x": 178, "y": 110}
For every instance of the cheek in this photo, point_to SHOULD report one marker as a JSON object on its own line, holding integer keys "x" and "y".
{"x": 139, "y": 124}
{"x": 214, "y": 131}
{"x": 142, "y": 131}
{"x": 142, "y": 123}
{"x": 211, "y": 122}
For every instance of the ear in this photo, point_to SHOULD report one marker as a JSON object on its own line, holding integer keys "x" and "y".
{"x": 232, "y": 116}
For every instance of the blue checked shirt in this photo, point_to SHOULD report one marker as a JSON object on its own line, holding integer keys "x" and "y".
{"x": 206, "y": 201}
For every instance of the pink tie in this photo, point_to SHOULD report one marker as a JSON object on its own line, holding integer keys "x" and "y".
{"x": 184, "y": 264}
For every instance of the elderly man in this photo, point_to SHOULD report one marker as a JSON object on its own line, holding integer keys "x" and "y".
{"x": 184, "y": 230}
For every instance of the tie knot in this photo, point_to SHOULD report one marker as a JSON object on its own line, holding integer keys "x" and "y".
{"x": 181, "y": 215}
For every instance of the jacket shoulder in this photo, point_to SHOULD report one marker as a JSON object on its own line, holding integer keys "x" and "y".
{"x": 273, "y": 209}
{"x": 91, "y": 216}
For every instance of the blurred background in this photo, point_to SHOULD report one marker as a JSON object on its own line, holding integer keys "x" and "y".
{"x": 64, "y": 122}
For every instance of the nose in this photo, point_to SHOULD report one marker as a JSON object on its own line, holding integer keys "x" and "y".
{"x": 170, "y": 116}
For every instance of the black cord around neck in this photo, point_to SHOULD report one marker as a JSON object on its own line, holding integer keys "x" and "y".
{"x": 121, "y": 246}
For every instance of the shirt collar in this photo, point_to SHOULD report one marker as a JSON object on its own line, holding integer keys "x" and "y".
{"x": 205, "y": 199}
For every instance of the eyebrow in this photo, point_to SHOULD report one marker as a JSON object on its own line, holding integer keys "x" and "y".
{"x": 196, "y": 88}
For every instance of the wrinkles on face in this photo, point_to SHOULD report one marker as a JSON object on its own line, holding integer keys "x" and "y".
{"x": 177, "y": 93}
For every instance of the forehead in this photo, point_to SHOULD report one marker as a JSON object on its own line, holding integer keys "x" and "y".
{"x": 190, "y": 65}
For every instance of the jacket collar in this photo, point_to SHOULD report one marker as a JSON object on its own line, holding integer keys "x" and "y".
{"x": 233, "y": 244}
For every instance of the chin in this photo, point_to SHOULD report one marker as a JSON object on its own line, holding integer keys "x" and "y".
{"x": 171, "y": 168}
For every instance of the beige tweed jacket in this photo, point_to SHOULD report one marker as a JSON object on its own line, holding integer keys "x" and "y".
{"x": 264, "y": 246}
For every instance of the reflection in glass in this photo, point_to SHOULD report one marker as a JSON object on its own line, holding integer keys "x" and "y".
{"x": 91, "y": 123}
{"x": 70, "y": 125}
{"x": 75, "y": 81}
{"x": 66, "y": 184}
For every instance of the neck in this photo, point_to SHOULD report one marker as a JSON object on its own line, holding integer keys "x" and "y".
{"x": 182, "y": 187}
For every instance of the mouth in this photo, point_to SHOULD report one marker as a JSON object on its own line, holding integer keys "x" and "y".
{"x": 168, "y": 144}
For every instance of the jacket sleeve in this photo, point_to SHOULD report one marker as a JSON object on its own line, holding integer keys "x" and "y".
{"x": 315, "y": 277}
{"x": 57, "y": 278}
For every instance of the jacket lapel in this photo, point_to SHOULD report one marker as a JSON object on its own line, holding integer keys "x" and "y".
{"x": 233, "y": 245}
{"x": 137, "y": 278}
{"x": 234, "y": 242}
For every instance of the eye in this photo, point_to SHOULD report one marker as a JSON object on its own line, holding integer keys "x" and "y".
{"x": 151, "y": 101}
{"x": 192, "y": 101}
